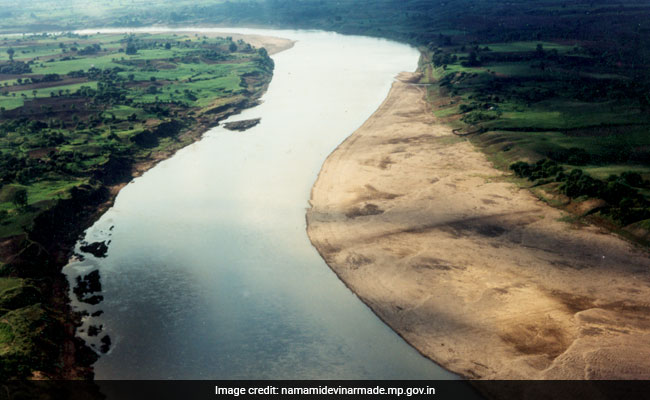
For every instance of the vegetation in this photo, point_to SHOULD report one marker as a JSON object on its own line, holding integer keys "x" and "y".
{"x": 77, "y": 112}
{"x": 547, "y": 108}
{"x": 625, "y": 202}
{"x": 557, "y": 90}
{"x": 567, "y": 81}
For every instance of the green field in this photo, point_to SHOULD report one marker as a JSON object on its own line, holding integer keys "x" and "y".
{"x": 64, "y": 117}
{"x": 535, "y": 101}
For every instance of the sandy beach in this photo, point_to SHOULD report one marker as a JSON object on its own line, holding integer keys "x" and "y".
{"x": 478, "y": 275}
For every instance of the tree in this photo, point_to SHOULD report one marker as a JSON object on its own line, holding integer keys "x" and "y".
{"x": 20, "y": 198}
{"x": 472, "y": 60}
{"x": 11, "y": 53}
{"x": 131, "y": 49}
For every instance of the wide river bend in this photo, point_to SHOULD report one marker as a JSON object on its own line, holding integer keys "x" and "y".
{"x": 210, "y": 274}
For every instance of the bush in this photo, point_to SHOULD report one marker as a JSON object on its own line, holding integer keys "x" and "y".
{"x": 20, "y": 198}
{"x": 633, "y": 179}
{"x": 521, "y": 169}
{"x": 541, "y": 169}
{"x": 576, "y": 184}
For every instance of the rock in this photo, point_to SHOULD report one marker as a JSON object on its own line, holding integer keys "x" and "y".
{"x": 241, "y": 126}
{"x": 93, "y": 300}
{"x": 95, "y": 330}
{"x": 97, "y": 249}
{"x": 87, "y": 285}
{"x": 106, "y": 344}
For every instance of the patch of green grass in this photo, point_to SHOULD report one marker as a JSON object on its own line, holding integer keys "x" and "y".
{"x": 10, "y": 102}
{"x": 602, "y": 172}
{"x": 45, "y": 92}
{"x": 561, "y": 118}
{"x": 123, "y": 111}
{"x": 571, "y": 219}
{"x": 64, "y": 67}
{"x": 645, "y": 224}
{"x": 514, "y": 69}
{"x": 6, "y": 335}
{"x": 27, "y": 342}
{"x": 9, "y": 283}
{"x": 515, "y": 47}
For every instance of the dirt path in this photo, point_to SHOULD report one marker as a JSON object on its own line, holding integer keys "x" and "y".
{"x": 475, "y": 273}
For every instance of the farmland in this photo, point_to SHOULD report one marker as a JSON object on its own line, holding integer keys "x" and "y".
{"x": 529, "y": 80}
{"x": 559, "y": 105}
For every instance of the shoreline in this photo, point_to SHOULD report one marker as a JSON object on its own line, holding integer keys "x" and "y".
{"x": 194, "y": 133}
{"x": 456, "y": 259}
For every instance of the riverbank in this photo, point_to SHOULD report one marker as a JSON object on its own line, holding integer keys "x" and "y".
{"x": 475, "y": 273}
{"x": 75, "y": 349}
{"x": 201, "y": 282}
{"x": 52, "y": 348}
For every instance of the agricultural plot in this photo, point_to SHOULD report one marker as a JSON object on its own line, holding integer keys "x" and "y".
{"x": 551, "y": 104}
{"x": 71, "y": 103}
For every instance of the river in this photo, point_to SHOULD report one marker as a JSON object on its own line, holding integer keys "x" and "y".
{"x": 209, "y": 272}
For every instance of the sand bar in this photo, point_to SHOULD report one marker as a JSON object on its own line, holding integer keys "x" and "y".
{"x": 477, "y": 274}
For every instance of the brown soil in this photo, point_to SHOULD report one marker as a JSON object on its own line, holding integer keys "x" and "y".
{"x": 43, "y": 85}
{"x": 43, "y": 108}
{"x": 8, "y": 77}
{"x": 477, "y": 274}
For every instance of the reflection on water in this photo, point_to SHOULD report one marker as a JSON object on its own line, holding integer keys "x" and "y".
{"x": 210, "y": 274}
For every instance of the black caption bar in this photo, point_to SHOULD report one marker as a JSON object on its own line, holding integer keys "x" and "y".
{"x": 434, "y": 390}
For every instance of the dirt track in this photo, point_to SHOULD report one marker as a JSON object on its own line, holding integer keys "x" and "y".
{"x": 475, "y": 273}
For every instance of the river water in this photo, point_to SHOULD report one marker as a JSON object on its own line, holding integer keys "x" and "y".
{"x": 209, "y": 272}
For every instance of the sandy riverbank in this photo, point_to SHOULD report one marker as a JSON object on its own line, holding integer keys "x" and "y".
{"x": 475, "y": 273}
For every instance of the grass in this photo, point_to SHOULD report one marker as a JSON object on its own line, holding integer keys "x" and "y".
{"x": 519, "y": 102}
{"x": 25, "y": 341}
{"x": 42, "y": 93}
{"x": 9, "y": 283}
{"x": 567, "y": 118}
{"x": 602, "y": 172}
{"x": 514, "y": 47}
{"x": 11, "y": 103}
